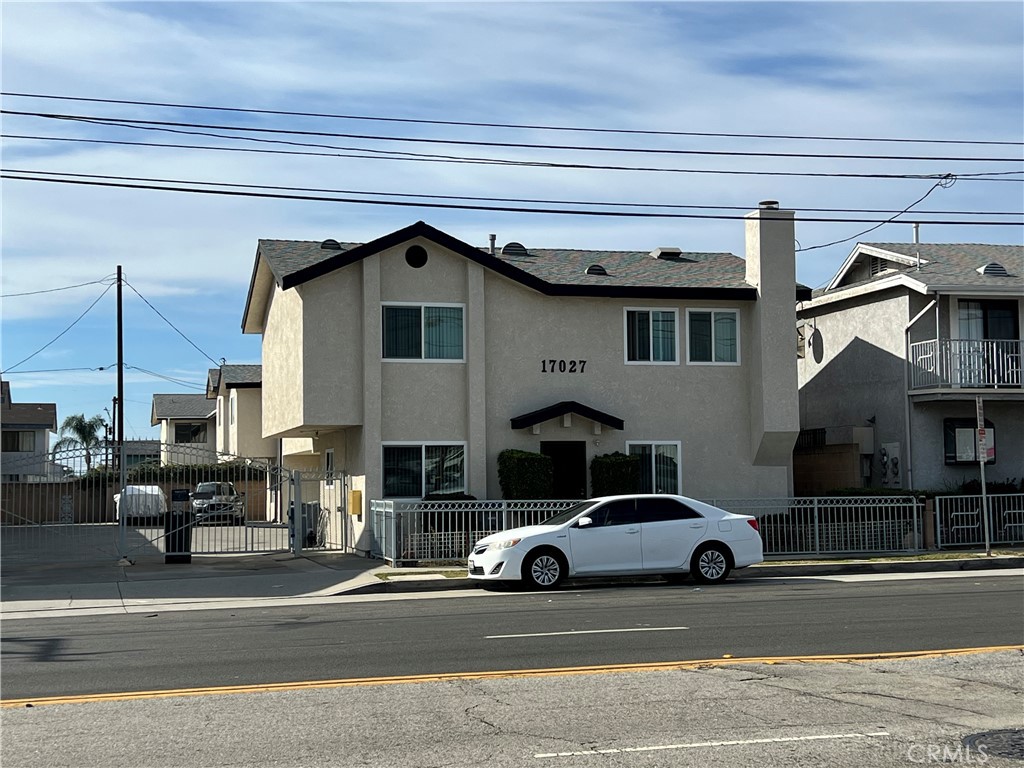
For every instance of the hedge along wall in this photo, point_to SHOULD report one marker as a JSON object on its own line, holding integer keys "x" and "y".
{"x": 615, "y": 473}
{"x": 525, "y": 475}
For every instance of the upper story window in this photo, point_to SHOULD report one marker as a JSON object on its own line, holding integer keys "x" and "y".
{"x": 651, "y": 336}
{"x": 329, "y": 468}
{"x": 190, "y": 433}
{"x": 713, "y": 336}
{"x": 19, "y": 441}
{"x": 423, "y": 332}
{"x": 232, "y": 406}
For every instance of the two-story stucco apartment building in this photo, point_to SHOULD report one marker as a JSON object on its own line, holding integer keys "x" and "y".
{"x": 412, "y": 361}
{"x": 898, "y": 347}
{"x": 27, "y": 429}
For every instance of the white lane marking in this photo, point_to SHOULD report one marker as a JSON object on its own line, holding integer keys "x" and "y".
{"x": 856, "y": 577}
{"x": 699, "y": 744}
{"x": 585, "y": 632}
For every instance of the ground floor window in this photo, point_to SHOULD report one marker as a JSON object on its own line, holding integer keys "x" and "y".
{"x": 414, "y": 470}
{"x": 960, "y": 441}
{"x": 660, "y": 470}
{"x": 19, "y": 441}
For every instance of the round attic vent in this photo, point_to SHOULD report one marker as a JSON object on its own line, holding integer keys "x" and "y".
{"x": 597, "y": 269}
{"x": 330, "y": 245}
{"x": 416, "y": 256}
{"x": 514, "y": 249}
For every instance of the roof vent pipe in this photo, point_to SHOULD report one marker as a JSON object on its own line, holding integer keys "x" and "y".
{"x": 917, "y": 242}
{"x": 493, "y": 239}
{"x": 769, "y": 205}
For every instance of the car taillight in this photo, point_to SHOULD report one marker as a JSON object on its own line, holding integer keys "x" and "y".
{"x": 753, "y": 524}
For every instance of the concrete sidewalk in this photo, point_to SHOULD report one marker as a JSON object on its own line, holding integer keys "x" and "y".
{"x": 208, "y": 582}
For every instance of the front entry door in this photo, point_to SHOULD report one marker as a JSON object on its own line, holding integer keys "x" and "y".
{"x": 569, "y": 467}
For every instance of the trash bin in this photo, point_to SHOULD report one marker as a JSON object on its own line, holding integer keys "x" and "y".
{"x": 178, "y": 528}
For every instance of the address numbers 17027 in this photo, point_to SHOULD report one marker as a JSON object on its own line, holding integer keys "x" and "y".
{"x": 562, "y": 366}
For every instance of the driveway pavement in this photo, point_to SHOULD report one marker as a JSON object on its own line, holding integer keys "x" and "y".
{"x": 32, "y": 590}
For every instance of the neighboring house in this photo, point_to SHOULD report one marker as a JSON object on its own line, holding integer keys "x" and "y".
{"x": 26, "y": 429}
{"x": 141, "y": 452}
{"x": 412, "y": 361}
{"x": 895, "y": 351}
{"x": 188, "y": 433}
{"x": 237, "y": 390}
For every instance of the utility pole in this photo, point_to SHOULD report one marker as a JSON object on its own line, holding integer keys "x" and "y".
{"x": 122, "y": 476}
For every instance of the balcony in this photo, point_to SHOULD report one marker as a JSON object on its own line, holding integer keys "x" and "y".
{"x": 947, "y": 364}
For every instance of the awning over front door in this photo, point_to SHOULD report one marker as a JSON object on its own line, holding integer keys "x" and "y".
{"x": 562, "y": 408}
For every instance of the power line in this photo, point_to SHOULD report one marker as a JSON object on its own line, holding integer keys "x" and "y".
{"x": 980, "y": 176}
{"x": 57, "y": 370}
{"x": 186, "y": 338}
{"x": 171, "y": 379}
{"x": 165, "y": 124}
{"x": 507, "y": 209}
{"x": 53, "y": 290}
{"x": 62, "y": 332}
{"x": 944, "y": 183}
{"x": 490, "y": 199}
{"x": 516, "y": 126}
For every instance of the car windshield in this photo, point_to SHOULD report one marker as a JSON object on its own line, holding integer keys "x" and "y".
{"x": 210, "y": 488}
{"x": 568, "y": 514}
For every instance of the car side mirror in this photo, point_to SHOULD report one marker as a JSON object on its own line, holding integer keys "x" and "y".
{"x": 583, "y": 522}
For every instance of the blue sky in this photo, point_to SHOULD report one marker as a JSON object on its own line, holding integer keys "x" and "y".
{"x": 937, "y": 70}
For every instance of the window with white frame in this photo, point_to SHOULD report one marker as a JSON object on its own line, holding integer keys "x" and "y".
{"x": 660, "y": 468}
{"x": 423, "y": 332}
{"x": 713, "y": 336}
{"x": 329, "y": 467}
{"x": 413, "y": 470}
{"x": 651, "y": 336}
{"x": 232, "y": 405}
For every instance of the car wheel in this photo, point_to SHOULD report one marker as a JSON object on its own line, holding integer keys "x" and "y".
{"x": 710, "y": 564}
{"x": 544, "y": 569}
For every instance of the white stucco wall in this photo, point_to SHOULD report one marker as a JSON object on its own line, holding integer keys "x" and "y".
{"x": 283, "y": 363}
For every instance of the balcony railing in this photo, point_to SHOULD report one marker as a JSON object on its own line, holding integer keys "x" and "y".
{"x": 959, "y": 363}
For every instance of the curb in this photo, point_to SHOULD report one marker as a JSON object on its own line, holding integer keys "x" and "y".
{"x": 760, "y": 571}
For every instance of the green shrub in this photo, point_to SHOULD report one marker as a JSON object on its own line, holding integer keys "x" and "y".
{"x": 525, "y": 475}
{"x": 614, "y": 473}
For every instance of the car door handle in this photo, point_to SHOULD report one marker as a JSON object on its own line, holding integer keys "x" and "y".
{"x": 696, "y": 525}
{"x": 635, "y": 530}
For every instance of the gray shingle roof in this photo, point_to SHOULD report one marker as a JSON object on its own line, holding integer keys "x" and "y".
{"x": 957, "y": 263}
{"x": 29, "y": 415}
{"x": 241, "y": 375}
{"x": 181, "y": 407}
{"x": 558, "y": 266}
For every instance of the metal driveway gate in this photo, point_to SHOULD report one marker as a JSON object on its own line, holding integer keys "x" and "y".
{"x": 70, "y": 506}
{"x": 959, "y": 520}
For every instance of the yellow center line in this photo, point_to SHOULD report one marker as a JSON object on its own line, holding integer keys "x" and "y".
{"x": 658, "y": 666}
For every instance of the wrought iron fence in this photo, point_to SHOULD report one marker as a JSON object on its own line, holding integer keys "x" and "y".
{"x": 445, "y": 531}
{"x": 834, "y": 525}
{"x": 71, "y": 505}
{"x": 441, "y": 531}
{"x": 959, "y": 521}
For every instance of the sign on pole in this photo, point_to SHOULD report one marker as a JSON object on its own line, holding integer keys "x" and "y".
{"x": 982, "y": 458}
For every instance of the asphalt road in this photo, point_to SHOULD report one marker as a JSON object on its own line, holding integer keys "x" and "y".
{"x": 575, "y": 627}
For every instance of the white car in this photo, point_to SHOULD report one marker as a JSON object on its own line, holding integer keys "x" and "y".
{"x": 140, "y": 502}
{"x": 644, "y": 534}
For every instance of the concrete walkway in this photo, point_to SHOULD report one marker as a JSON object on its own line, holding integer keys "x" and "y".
{"x": 78, "y": 589}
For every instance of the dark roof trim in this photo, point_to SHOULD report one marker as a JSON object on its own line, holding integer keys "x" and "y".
{"x": 562, "y": 408}
{"x": 422, "y": 229}
{"x": 242, "y": 384}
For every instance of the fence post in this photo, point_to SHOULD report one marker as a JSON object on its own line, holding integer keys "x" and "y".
{"x": 918, "y": 509}
{"x": 817, "y": 538}
{"x": 504, "y": 516}
{"x": 938, "y": 523}
{"x": 296, "y": 520}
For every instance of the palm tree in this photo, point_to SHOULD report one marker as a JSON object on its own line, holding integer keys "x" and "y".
{"x": 79, "y": 432}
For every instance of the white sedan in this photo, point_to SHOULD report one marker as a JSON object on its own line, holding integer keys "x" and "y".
{"x": 622, "y": 536}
